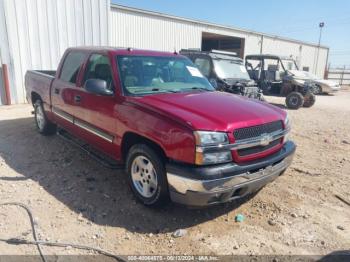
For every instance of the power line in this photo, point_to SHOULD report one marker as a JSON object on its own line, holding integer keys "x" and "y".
{"x": 339, "y": 54}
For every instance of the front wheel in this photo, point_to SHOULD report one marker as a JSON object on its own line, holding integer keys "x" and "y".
{"x": 294, "y": 100}
{"x": 44, "y": 125}
{"x": 147, "y": 175}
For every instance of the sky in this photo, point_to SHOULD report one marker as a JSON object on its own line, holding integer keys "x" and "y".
{"x": 294, "y": 19}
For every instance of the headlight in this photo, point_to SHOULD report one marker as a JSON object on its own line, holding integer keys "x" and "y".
{"x": 205, "y": 138}
{"x": 287, "y": 126}
{"x": 287, "y": 123}
{"x": 216, "y": 139}
{"x": 213, "y": 158}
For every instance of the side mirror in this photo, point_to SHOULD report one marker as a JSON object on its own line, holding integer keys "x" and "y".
{"x": 213, "y": 82}
{"x": 97, "y": 87}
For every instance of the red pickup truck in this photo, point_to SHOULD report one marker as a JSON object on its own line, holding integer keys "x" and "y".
{"x": 157, "y": 115}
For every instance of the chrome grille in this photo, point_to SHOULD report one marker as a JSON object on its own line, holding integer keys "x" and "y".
{"x": 257, "y": 149}
{"x": 256, "y": 131}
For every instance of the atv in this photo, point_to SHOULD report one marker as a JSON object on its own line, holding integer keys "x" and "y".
{"x": 225, "y": 71}
{"x": 275, "y": 75}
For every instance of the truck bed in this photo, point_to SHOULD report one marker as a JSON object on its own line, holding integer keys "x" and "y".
{"x": 39, "y": 81}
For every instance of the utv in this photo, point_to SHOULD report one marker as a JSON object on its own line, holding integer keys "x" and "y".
{"x": 225, "y": 71}
{"x": 274, "y": 75}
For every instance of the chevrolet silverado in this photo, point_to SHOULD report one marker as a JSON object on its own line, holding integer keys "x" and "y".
{"x": 157, "y": 116}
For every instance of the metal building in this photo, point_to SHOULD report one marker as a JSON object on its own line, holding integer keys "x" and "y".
{"x": 35, "y": 33}
{"x": 150, "y": 30}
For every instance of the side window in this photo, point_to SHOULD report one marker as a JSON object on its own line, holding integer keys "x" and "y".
{"x": 99, "y": 68}
{"x": 203, "y": 65}
{"x": 71, "y": 66}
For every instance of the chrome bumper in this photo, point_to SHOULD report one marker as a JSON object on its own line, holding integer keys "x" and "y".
{"x": 204, "y": 192}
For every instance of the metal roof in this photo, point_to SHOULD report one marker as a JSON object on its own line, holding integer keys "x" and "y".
{"x": 205, "y": 23}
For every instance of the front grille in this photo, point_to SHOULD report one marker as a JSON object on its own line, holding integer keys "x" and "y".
{"x": 255, "y": 131}
{"x": 257, "y": 149}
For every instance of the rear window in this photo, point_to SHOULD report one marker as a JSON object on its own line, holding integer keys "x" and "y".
{"x": 71, "y": 66}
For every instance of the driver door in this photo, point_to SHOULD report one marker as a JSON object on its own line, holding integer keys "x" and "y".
{"x": 95, "y": 115}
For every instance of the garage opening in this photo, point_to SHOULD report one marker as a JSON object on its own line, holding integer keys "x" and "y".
{"x": 223, "y": 42}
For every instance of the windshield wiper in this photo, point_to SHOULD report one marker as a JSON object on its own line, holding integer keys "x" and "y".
{"x": 165, "y": 91}
{"x": 200, "y": 88}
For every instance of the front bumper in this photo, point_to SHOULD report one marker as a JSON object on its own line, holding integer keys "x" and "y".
{"x": 203, "y": 186}
{"x": 331, "y": 89}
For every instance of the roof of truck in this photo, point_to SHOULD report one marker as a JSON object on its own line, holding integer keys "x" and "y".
{"x": 123, "y": 50}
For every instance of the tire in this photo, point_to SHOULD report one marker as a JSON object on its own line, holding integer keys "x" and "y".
{"x": 45, "y": 127}
{"x": 309, "y": 100}
{"x": 294, "y": 100}
{"x": 147, "y": 182}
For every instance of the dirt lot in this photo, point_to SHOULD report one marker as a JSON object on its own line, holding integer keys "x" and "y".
{"x": 75, "y": 199}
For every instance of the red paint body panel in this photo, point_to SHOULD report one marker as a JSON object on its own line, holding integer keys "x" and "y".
{"x": 166, "y": 119}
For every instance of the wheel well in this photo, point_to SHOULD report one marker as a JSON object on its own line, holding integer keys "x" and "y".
{"x": 35, "y": 96}
{"x": 130, "y": 139}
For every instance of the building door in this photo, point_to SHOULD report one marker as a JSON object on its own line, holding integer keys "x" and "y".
{"x": 212, "y": 41}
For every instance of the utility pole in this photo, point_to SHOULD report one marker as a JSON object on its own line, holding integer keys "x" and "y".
{"x": 321, "y": 25}
{"x": 261, "y": 44}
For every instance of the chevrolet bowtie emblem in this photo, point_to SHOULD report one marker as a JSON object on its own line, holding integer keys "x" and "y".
{"x": 265, "y": 139}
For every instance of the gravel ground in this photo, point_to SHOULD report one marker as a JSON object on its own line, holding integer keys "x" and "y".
{"x": 75, "y": 199}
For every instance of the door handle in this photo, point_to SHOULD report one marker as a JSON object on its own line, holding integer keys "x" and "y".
{"x": 57, "y": 91}
{"x": 77, "y": 99}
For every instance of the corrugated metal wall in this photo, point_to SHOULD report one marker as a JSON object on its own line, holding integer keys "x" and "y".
{"x": 148, "y": 30}
{"x": 35, "y": 33}
{"x": 152, "y": 32}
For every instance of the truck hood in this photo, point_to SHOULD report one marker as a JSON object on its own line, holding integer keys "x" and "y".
{"x": 215, "y": 111}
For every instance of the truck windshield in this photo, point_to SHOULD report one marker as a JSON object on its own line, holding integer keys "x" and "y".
{"x": 289, "y": 64}
{"x": 230, "y": 69}
{"x": 142, "y": 75}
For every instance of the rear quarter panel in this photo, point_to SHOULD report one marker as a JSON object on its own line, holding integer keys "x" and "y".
{"x": 40, "y": 84}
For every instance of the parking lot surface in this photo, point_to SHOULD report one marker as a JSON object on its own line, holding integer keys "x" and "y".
{"x": 75, "y": 199}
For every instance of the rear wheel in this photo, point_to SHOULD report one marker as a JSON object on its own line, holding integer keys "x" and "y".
{"x": 294, "y": 100}
{"x": 147, "y": 175}
{"x": 44, "y": 125}
{"x": 309, "y": 100}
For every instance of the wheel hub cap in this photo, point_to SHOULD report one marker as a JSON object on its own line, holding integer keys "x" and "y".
{"x": 40, "y": 117}
{"x": 144, "y": 176}
{"x": 294, "y": 101}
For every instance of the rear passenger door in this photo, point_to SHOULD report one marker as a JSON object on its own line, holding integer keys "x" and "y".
{"x": 63, "y": 88}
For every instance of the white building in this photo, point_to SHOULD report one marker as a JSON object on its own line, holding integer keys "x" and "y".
{"x": 35, "y": 33}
